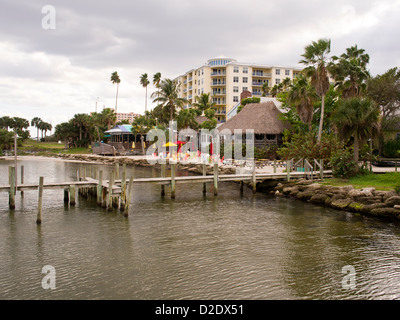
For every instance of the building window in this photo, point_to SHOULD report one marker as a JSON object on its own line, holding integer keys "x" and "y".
{"x": 236, "y": 69}
{"x": 245, "y": 89}
{"x": 235, "y": 89}
{"x": 277, "y": 81}
{"x": 245, "y": 79}
{"x": 245, "y": 70}
{"x": 287, "y": 72}
{"x": 277, "y": 72}
{"x": 235, "y": 79}
{"x": 235, "y": 99}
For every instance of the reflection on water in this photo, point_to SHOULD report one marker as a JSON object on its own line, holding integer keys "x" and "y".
{"x": 195, "y": 247}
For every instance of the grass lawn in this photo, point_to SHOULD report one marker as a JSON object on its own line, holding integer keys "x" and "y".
{"x": 386, "y": 181}
{"x": 43, "y": 148}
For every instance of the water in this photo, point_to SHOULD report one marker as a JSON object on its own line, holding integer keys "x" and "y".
{"x": 195, "y": 247}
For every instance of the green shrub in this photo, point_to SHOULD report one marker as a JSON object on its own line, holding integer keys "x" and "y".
{"x": 343, "y": 164}
{"x": 397, "y": 187}
{"x": 391, "y": 149}
{"x": 305, "y": 146}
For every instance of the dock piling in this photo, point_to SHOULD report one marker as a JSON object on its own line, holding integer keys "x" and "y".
{"x": 129, "y": 197}
{"x": 162, "y": 176}
{"x": 215, "y": 179}
{"x": 72, "y": 194}
{"x": 11, "y": 197}
{"x": 173, "y": 167}
{"x": 40, "y": 202}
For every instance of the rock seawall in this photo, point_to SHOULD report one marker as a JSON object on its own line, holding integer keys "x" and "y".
{"x": 367, "y": 201}
{"x": 191, "y": 167}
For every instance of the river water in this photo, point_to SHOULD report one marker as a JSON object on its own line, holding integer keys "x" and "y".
{"x": 193, "y": 247}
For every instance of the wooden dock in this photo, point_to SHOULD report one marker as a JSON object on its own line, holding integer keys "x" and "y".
{"x": 116, "y": 191}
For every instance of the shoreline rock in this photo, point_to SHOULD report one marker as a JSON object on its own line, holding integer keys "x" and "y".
{"x": 366, "y": 201}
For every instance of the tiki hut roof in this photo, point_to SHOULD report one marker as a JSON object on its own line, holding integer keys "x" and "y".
{"x": 263, "y": 118}
{"x": 200, "y": 119}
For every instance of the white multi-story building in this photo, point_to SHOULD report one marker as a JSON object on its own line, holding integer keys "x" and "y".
{"x": 225, "y": 79}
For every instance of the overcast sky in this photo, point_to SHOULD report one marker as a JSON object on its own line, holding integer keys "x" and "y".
{"x": 56, "y": 73}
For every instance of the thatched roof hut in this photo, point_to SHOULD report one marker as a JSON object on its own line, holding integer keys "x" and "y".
{"x": 263, "y": 118}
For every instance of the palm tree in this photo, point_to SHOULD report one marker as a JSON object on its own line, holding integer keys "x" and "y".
{"x": 35, "y": 122}
{"x": 108, "y": 117}
{"x": 187, "y": 119}
{"x": 203, "y": 102}
{"x": 115, "y": 80}
{"x": 47, "y": 127}
{"x": 302, "y": 95}
{"x": 144, "y": 81}
{"x": 350, "y": 71}
{"x": 6, "y": 122}
{"x": 168, "y": 97}
{"x": 265, "y": 89}
{"x": 157, "y": 79}
{"x": 81, "y": 120}
{"x": 357, "y": 117}
{"x": 316, "y": 61}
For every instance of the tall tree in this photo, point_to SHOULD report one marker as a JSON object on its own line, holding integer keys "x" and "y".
{"x": 168, "y": 97}
{"x": 108, "y": 117}
{"x": 186, "y": 118}
{"x": 265, "y": 89}
{"x": 302, "y": 94}
{"x": 115, "y": 80}
{"x": 203, "y": 102}
{"x": 81, "y": 121}
{"x": 6, "y": 122}
{"x": 144, "y": 81}
{"x": 384, "y": 89}
{"x": 36, "y": 123}
{"x": 357, "y": 117}
{"x": 157, "y": 80}
{"x": 350, "y": 71}
{"x": 316, "y": 59}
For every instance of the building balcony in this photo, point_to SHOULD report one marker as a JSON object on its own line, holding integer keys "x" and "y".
{"x": 218, "y": 83}
{"x": 258, "y": 84}
{"x": 262, "y": 74}
{"x": 218, "y": 93}
{"x": 216, "y": 74}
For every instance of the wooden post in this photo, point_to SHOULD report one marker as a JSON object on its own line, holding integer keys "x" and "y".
{"x": 100, "y": 189}
{"x": 123, "y": 188}
{"x": 128, "y": 200}
{"x": 275, "y": 166}
{"x": 253, "y": 178}
{"x": 66, "y": 195}
{"x": 204, "y": 174}
{"x": 72, "y": 193}
{"x": 172, "y": 180}
{"x": 109, "y": 198}
{"x": 321, "y": 169}
{"x": 11, "y": 195}
{"x": 39, "y": 213}
{"x": 215, "y": 179}
{"x": 22, "y": 179}
{"x": 162, "y": 176}
{"x": 117, "y": 171}
{"x": 288, "y": 168}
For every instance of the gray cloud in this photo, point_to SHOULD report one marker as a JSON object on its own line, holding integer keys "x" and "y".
{"x": 94, "y": 38}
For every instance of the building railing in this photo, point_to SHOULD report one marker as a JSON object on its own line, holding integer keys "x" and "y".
{"x": 261, "y": 74}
